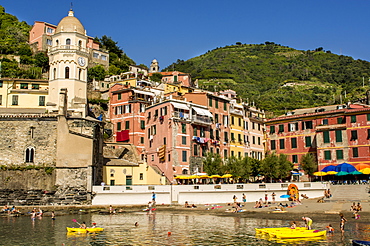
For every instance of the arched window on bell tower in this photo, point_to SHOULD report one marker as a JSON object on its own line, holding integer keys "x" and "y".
{"x": 68, "y": 43}
{"x": 79, "y": 73}
{"x": 54, "y": 73}
{"x": 79, "y": 44}
{"x": 57, "y": 42}
{"x": 30, "y": 155}
{"x": 67, "y": 73}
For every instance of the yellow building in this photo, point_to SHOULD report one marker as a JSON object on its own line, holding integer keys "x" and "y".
{"x": 123, "y": 167}
{"x": 237, "y": 139}
{"x": 170, "y": 88}
{"x": 23, "y": 94}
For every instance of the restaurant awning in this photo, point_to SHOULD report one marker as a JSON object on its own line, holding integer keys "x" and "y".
{"x": 180, "y": 106}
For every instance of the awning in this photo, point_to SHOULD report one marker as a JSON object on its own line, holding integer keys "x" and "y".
{"x": 202, "y": 112}
{"x": 144, "y": 92}
{"x": 180, "y": 106}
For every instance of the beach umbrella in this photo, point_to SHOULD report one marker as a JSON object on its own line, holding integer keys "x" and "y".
{"x": 365, "y": 170}
{"x": 331, "y": 173}
{"x": 345, "y": 167}
{"x": 362, "y": 166}
{"x": 355, "y": 172}
{"x": 284, "y": 196}
{"x": 203, "y": 176}
{"x": 320, "y": 173}
{"x": 226, "y": 176}
{"x": 328, "y": 168}
{"x": 342, "y": 173}
{"x": 215, "y": 176}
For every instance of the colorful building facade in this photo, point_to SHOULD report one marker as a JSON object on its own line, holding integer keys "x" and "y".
{"x": 333, "y": 134}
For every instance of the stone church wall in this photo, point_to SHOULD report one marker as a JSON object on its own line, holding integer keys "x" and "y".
{"x": 18, "y": 134}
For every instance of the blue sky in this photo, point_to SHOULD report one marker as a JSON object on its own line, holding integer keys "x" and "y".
{"x": 171, "y": 30}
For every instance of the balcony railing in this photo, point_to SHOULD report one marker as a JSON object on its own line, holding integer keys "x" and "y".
{"x": 236, "y": 111}
{"x": 68, "y": 47}
{"x": 201, "y": 119}
{"x": 181, "y": 115}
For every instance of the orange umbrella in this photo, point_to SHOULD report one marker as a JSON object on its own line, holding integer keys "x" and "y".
{"x": 362, "y": 166}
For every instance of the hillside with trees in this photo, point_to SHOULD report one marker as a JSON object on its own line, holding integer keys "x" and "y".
{"x": 279, "y": 78}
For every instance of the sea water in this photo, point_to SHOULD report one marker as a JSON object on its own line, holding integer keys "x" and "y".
{"x": 161, "y": 228}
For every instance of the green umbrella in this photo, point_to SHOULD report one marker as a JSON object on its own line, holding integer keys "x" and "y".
{"x": 356, "y": 173}
{"x": 342, "y": 173}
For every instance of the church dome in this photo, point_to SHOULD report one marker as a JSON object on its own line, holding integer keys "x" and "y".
{"x": 70, "y": 24}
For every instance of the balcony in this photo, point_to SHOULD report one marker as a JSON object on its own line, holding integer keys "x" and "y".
{"x": 330, "y": 127}
{"x": 201, "y": 119}
{"x": 68, "y": 47}
{"x": 180, "y": 115}
{"x": 236, "y": 111}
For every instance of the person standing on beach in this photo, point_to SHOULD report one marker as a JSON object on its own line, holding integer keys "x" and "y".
{"x": 244, "y": 199}
{"x": 342, "y": 222}
{"x": 273, "y": 197}
{"x": 266, "y": 197}
{"x": 235, "y": 198}
{"x": 154, "y": 196}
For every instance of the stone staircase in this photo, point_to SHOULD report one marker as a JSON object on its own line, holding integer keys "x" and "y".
{"x": 349, "y": 193}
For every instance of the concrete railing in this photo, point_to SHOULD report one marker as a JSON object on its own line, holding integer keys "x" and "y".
{"x": 200, "y": 194}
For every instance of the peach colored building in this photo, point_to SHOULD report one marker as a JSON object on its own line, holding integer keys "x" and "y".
{"x": 176, "y": 77}
{"x": 127, "y": 114}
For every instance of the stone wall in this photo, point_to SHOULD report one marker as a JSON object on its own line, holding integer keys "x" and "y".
{"x": 18, "y": 134}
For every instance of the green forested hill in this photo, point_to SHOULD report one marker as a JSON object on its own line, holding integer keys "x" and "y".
{"x": 278, "y": 78}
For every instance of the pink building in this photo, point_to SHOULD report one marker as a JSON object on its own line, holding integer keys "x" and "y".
{"x": 178, "y": 134}
{"x": 176, "y": 77}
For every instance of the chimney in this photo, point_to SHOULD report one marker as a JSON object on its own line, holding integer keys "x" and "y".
{"x": 63, "y": 102}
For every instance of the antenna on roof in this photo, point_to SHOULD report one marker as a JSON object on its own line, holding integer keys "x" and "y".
{"x": 71, "y": 6}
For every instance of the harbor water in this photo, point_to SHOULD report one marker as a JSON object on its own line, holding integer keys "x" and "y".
{"x": 160, "y": 228}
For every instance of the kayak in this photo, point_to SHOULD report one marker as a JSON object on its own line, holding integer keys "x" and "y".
{"x": 360, "y": 243}
{"x": 301, "y": 234}
{"x": 95, "y": 229}
{"x": 278, "y": 229}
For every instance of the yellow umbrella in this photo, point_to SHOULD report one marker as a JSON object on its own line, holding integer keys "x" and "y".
{"x": 320, "y": 173}
{"x": 215, "y": 176}
{"x": 227, "y": 176}
{"x": 193, "y": 177}
{"x": 331, "y": 173}
{"x": 203, "y": 176}
{"x": 365, "y": 170}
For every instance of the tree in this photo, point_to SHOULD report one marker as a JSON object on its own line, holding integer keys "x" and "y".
{"x": 285, "y": 166}
{"x": 212, "y": 164}
{"x": 157, "y": 77}
{"x": 255, "y": 166}
{"x": 98, "y": 73}
{"x": 309, "y": 164}
{"x": 42, "y": 60}
{"x": 269, "y": 166}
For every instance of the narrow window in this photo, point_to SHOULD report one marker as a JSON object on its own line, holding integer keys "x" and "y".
{"x": 308, "y": 142}
{"x": 355, "y": 152}
{"x": 142, "y": 124}
{"x": 272, "y": 129}
{"x": 338, "y": 136}
{"x": 41, "y": 100}
{"x": 118, "y": 126}
{"x": 282, "y": 143}
{"x": 326, "y": 137}
{"x": 339, "y": 154}
{"x": 294, "y": 158}
{"x": 273, "y": 145}
{"x": 66, "y": 73}
{"x": 353, "y": 135}
{"x": 127, "y": 125}
{"x": 15, "y": 100}
{"x": 210, "y": 102}
{"x": 327, "y": 155}
{"x": 141, "y": 177}
{"x": 281, "y": 128}
{"x": 183, "y": 128}
{"x": 353, "y": 118}
{"x": 294, "y": 143}
{"x": 183, "y": 140}
{"x": 30, "y": 154}
{"x": 54, "y": 73}
{"x": 184, "y": 156}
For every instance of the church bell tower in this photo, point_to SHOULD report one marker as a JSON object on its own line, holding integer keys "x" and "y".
{"x": 68, "y": 60}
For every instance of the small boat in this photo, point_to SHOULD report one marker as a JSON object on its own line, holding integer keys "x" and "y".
{"x": 360, "y": 243}
{"x": 80, "y": 230}
{"x": 301, "y": 234}
{"x": 277, "y": 229}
